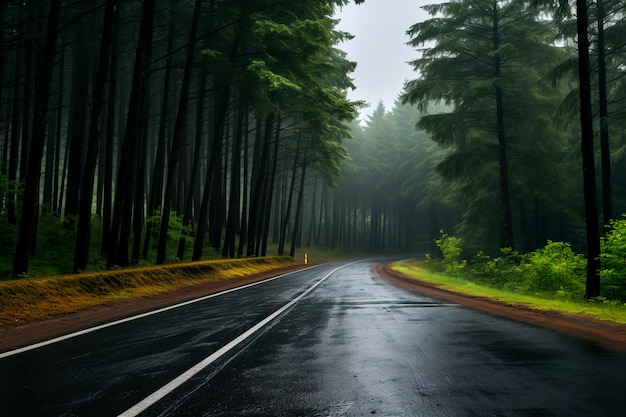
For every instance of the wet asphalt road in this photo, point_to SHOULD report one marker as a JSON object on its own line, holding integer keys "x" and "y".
{"x": 355, "y": 345}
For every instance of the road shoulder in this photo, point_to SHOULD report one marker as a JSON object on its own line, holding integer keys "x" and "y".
{"x": 34, "y": 332}
{"x": 609, "y": 335}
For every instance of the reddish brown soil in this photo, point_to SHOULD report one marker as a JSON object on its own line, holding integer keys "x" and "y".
{"x": 608, "y": 334}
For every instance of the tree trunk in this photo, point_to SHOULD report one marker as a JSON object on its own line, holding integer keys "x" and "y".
{"x": 221, "y": 108}
{"x": 309, "y": 238}
{"x": 605, "y": 153}
{"x": 81, "y": 252}
{"x": 56, "y": 197}
{"x": 3, "y": 13}
{"x": 61, "y": 193}
{"x": 177, "y": 138}
{"x": 216, "y": 199}
{"x": 505, "y": 197}
{"x": 323, "y": 204}
{"x": 4, "y": 196}
{"x": 107, "y": 191}
{"x": 118, "y": 240}
{"x": 292, "y": 186}
{"x": 254, "y": 172}
{"x": 50, "y": 152}
{"x": 26, "y": 102}
{"x": 354, "y": 225}
{"x": 139, "y": 191}
{"x": 269, "y": 194}
{"x": 155, "y": 197}
{"x": 77, "y": 129}
{"x": 195, "y": 165}
{"x": 14, "y": 154}
{"x": 257, "y": 186}
{"x": 243, "y": 232}
{"x": 232, "y": 222}
{"x": 30, "y": 208}
{"x": 589, "y": 183}
{"x": 297, "y": 226}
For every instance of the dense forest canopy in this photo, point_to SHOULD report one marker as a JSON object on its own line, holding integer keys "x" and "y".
{"x": 147, "y": 132}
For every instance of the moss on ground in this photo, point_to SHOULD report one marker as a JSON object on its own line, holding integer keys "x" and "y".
{"x": 31, "y": 299}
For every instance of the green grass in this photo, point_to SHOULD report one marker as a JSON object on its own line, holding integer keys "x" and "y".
{"x": 599, "y": 309}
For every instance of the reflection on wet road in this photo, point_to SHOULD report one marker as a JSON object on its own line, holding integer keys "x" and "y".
{"x": 356, "y": 345}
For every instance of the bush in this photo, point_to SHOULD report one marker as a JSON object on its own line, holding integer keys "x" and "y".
{"x": 501, "y": 272}
{"x": 451, "y": 250}
{"x": 555, "y": 269}
{"x": 613, "y": 261}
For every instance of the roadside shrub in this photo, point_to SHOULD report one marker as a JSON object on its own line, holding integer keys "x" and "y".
{"x": 176, "y": 229}
{"x": 501, "y": 272}
{"x": 613, "y": 261}
{"x": 482, "y": 267}
{"x": 555, "y": 269}
{"x": 451, "y": 250}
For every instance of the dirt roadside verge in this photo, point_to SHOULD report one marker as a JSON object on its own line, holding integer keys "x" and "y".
{"x": 607, "y": 334}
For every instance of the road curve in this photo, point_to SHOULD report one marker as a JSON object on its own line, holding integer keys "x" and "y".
{"x": 347, "y": 343}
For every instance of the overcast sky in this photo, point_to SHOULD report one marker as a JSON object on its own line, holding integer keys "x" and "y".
{"x": 379, "y": 47}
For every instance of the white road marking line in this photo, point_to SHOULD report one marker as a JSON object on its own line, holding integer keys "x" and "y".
{"x": 177, "y": 382}
{"x": 139, "y": 316}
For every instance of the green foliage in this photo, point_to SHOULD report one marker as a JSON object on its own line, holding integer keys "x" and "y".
{"x": 451, "y": 250}
{"x": 54, "y": 247}
{"x": 10, "y": 187}
{"x": 273, "y": 80}
{"x": 486, "y": 61}
{"x": 556, "y": 269}
{"x": 504, "y": 271}
{"x": 613, "y": 261}
{"x": 176, "y": 229}
{"x": 599, "y": 308}
{"x": 54, "y": 252}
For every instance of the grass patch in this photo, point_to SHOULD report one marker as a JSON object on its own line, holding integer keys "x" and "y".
{"x": 30, "y": 299}
{"x": 601, "y": 309}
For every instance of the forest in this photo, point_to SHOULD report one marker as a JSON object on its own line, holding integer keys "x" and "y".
{"x": 145, "y": 132}
{"x": 155, "y": 131}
